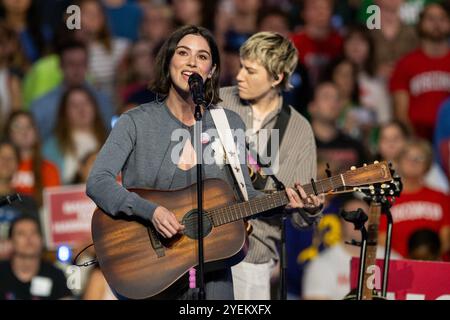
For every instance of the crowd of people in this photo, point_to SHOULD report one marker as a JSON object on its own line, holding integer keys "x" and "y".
{"x": 357, "y": 94}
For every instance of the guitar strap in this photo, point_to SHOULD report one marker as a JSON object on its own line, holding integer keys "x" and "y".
{"x": 259, "y": 180}
{"x": 224, "y": 131}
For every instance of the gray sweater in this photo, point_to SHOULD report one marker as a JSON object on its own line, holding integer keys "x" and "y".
{"x": 298, "y": 163}
{"x": 140, "y": 146}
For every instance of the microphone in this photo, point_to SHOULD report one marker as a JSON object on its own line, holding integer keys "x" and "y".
{"x": 196, "y": 88}
{"x": 9, "y": 199}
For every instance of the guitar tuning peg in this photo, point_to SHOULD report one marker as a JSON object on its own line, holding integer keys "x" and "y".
{"x": 352, "y": 168}
{"x": 381, "y": 191}
{"x": 376, "y": 162}
{"x": 371, "y": 187}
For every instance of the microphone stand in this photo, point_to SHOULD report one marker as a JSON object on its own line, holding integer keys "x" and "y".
{"x": 199, "y": 154}
{"x": 387, "y": 249}
{"x": 10, "y": 199}
{"x": 358, "y": 218}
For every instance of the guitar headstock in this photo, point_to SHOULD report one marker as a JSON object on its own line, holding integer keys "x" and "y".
{"x": 378, "y": 191}
{"x": 378, "y": 172}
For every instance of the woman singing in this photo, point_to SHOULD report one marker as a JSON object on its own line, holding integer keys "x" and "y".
{"x": 142, "y": 145}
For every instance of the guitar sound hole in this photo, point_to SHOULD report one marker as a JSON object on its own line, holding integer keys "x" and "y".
{"x": 190, "y": 222}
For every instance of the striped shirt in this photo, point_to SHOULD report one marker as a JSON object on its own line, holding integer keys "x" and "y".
{"x": 297, "y": 163}
{"x": 103, "y": 64}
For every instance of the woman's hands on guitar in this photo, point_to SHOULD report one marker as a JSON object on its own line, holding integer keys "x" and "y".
{"x": 166, "y": 222}
{"x": 297, "y": 200}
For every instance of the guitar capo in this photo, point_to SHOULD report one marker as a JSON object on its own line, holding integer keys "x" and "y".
{"x": 313, "y": 184}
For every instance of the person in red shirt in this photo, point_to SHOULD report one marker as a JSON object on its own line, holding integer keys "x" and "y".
{"x": 421, "y": 79}
{"x": 317, "y": 43}
{"x": 34, "y": 172}
{"x": 418, "y": 206}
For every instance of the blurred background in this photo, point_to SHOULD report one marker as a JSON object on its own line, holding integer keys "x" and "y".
{"x": 380, "y": 74}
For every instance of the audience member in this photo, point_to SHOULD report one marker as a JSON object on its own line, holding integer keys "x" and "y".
{"x": 424, "y": 244}
{"x": 317, "y": 42}
{"x": 78, "y": 132}
{"x": 73, "y": 60}
{"x": 10, "y": 91}
{"x": 333, "y": 146}
{"x": 392, "y": 139}
{"x": 26, "y": 276}
{"x": 105, "y": 51}
{"x": 34, "y": 172}
{"x": 24, "y": 18}
{"x": 124, "y": 18}
{"x": 9, "y": 161}
{"x": 417, "y": 206}
{"x": 373, "y": 94}
{"x": 421, "y": 79}
{"x": 393, "y": 40}
{"x": 442, "y": 138}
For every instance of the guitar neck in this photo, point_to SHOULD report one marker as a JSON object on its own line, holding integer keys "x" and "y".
{"x": 371, "y": 252}
{"x": 274, "y": 200}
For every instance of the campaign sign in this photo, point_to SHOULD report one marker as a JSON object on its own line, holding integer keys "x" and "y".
{"x": 408, "y": 279}
{"x": 68, "y": 213}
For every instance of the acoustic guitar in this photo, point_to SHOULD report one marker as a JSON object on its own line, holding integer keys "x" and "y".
{"x": 138, "y": 263}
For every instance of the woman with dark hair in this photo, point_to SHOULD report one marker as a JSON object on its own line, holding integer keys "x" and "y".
{"x": 79, "y": 131}
{"x": 145, "y": 145}
{"x": 106, "y": 52}
{"x": 10, "y": 85}
{"x": 24, "y": 18}
{"x": 34, "y": 172}
{"x": 359, "y": 49}
{"x": 354, "y": 120}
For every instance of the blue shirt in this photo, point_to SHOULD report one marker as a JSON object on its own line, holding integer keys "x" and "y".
{"x": 442, "y": 136}
{"x": 124, "y": 21}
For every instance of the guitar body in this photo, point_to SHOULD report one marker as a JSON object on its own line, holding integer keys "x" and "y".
{"x": 138, "y": 263}
{"x": 129, "y": 260}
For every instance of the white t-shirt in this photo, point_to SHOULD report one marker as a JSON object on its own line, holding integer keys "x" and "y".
{"x": 436, "y": 179}
{"x": 328, "y": 275}
{"x": 85, "y": 143}
{"x": 375, "y": 97}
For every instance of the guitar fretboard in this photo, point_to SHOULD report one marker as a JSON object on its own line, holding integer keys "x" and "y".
{"x": 277, "y": 199}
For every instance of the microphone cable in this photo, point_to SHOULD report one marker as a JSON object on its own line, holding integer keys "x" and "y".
{"x": 87, "y": 263}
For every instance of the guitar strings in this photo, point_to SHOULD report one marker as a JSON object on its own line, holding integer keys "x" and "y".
{"x": 225, "y": 215}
